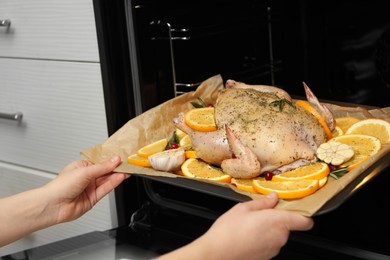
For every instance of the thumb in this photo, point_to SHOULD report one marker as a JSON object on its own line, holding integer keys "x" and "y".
{"x": 267, "y": 202}
{"x": 105, "y": 167}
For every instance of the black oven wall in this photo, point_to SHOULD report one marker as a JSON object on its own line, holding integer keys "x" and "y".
{"x": 150, "y": 48}
{"x": 331, "y": 45}
{"x": 181, "y": 43}
{"x": 340, "y": 49}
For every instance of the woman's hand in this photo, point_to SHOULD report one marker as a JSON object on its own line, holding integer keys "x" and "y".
{"x": 72, "y": 193}
{"x": 81, "y": 185}
{"x": 249, "y": 230}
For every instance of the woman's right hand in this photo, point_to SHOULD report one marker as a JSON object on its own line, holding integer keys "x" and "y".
{"x": 249, "y": 230}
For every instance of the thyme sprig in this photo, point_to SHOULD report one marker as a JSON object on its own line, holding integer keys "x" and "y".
{"x": 281, "y": 102}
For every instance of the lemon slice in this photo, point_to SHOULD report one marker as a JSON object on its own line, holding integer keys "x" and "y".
{"x": 345, "y": 122}
{"x": 287, "y": 189}
{"x": 179, "y": 133}
{"x": 337, "y": 131}
{"x": 245, "y": 184}
{"x": 375, "y": 127}
{"x": 153, "y": 148}
{"x": 138, "y": 160}
{"x": 363, "y": 145}
{"x": 311, "y": 171}
{"x": 201, "y": 119}
{"x": 195, "y": 168}
{"x": 186, "y": 142}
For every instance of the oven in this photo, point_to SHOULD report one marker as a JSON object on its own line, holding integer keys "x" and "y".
{"x": 174, "y": 45}
{"x": 152, "y": 51}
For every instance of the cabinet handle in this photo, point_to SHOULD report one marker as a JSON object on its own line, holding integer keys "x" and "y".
{"x": 5, "y": 23}
{"x": 16, "y": 116}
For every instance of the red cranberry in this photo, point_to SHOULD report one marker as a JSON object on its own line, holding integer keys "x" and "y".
{"x": 173, "y": 146}
{"x": 268, "y": 176}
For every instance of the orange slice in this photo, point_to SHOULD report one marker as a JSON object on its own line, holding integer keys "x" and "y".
{"x": 186, "y": 142}
{"x": 311, "y": 171}
{"x": 287, "y": 189}
{"x": 201, "y": 119}
{"x": 195, "y": 168}
{"x": 153, "y": 148}
{"x": 355, "y": 161}
{"x": 345, "y": 122}
{"x": 138, "y": 160}
{"x": 245, "y": 184}
{"x": 179, "y": 172}
{"x": 190, "y": 154}
{"x": 378, "y": 128}
{"x": 305, "y": 105}
{"x": 363, "y": 145}
{"x": 322, "y": 182}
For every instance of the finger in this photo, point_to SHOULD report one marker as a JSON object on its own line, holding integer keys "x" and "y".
{"x": 76, "y": 164}
{"x": 299, "y": 222}
{"x": 266, "y": 202}
{"x": 104, "y": 167}
{"x": 110, "y": 183}
{"x": 103, "y": 179}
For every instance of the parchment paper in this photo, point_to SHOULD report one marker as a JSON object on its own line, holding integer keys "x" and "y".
{"x": 156, "y": 123}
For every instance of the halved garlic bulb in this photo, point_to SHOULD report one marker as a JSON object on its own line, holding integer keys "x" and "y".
{"x": 169, "y": 160}
{"x": 335, "y": 153}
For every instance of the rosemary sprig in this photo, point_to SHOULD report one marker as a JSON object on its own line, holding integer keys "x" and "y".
{"x": 173, "y": 139}
{"x": 339, "y": 172}
{"x": 281, "y": 102}
{"x": 200, "y": 104}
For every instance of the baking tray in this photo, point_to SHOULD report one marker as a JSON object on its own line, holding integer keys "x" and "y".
{"x": 373, "y": 171}
{"x": 155, "y": 124}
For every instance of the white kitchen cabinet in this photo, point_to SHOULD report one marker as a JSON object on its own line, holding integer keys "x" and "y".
{"x": 49, "y": 29}
{"x": 50, "y": 72}
{"x": 63, "y": 111}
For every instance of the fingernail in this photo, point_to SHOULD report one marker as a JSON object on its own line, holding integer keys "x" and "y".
{"x": 115, "y": 159}
{"x": 272, "y": 195}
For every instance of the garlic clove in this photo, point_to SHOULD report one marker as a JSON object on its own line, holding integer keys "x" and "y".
{"x": 167, "y": 161}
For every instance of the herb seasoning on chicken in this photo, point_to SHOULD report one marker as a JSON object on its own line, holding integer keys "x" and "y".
{"x": 254, "y": 135}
